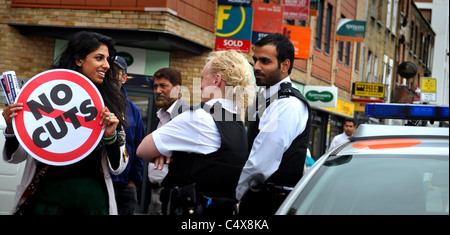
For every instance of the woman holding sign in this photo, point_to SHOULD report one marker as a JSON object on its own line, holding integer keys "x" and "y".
{"x": 84, "y": 187}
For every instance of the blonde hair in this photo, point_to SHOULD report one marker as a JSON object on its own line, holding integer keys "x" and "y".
{"x": 236, "y": 72}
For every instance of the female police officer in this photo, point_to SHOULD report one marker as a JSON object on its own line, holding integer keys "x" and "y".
{"x": 208, "y": 145}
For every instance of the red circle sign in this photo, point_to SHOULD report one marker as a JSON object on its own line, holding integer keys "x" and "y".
{"x": 60, "y": 121}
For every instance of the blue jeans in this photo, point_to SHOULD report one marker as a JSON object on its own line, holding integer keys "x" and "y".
{"x": 126, "y": 199}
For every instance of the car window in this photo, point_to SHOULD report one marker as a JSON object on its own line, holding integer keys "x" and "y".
{"x": 373, "y": 184}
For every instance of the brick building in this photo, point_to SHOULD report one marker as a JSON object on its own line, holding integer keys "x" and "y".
{"x": 171, "y": 33}
{"x": 376, "y": 57}
{"x": 31, "y": 29}
{"x": 434, "y": 11}
{"x": 416, "y": 45}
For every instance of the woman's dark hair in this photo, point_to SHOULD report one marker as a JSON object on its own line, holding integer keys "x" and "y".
{"x": 79, "y": 46}
{"x": 285, "y": 48}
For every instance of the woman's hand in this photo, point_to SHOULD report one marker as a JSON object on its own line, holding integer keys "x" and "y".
{"x": 109, "y": 122}
{"x": 160, "y": 161}
{"x": 9, "y": 113}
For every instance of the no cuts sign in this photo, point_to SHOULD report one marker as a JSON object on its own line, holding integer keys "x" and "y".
{"x": 60, "y": 121}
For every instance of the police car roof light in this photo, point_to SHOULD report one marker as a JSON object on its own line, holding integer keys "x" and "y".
{"x": 406, "y": 111}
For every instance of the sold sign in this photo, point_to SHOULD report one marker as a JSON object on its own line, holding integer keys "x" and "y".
{"x": 60, "y": 121}
{"x": 234, "y": 28}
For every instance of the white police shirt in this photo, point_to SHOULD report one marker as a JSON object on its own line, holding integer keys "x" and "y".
{"x": 339, "y": 139}
{"x": 156, "y": 175}
{"x": 281, "y": 122}
{"x": 191, "y": 131}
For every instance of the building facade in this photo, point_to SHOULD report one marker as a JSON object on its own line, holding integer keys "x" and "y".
{"x": 415, "y": 46}
{"x": 376, "y": 56}
{"x": 436, "y": 12}
{"x": 171, "y": 33}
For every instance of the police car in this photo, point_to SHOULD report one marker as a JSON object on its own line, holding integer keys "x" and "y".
{"x": 383, "y": 170}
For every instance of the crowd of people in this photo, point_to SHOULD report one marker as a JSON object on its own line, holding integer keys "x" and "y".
{"x": 203, "y": 160}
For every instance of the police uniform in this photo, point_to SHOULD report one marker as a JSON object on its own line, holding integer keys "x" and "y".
{"x": 278, "y": 141}
{"x": 156, "y": 176}
{"x": 208, "y": 146}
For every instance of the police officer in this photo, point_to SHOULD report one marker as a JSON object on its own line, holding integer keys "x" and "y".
{"x": 279, "y": 136}
{"x": 207, "y": 144}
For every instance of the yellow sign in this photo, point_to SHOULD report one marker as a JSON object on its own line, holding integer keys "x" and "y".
{"x": 368, "y": 89}
{"x": 343, "y": 107}
{"x": 428, "y": 85}
{"x": 360, "y": 106}
{"x": 222, "y": 16}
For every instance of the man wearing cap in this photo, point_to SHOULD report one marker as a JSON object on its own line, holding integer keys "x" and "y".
{"x": 125, "y": 183}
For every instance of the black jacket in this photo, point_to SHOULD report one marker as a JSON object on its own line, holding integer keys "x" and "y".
{"x": 215, "y": 174}
{"x": 291, "y": 167}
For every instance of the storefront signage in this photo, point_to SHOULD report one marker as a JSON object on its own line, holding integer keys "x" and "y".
{"x": 321, "y": 96}
{"x": 234, "y": 28}
{"x": 300, "y": 38}
{"x": 351, "y": 30}
{"x": 296, "y": 9}
{"x": 313, "y": 7}
{"x": 368, "y": 89}
{"x": 143, "y": 62}
{"x": 267, "y": 19}
{"x": 360, "y": 103}
{"x": 344, "y": 107}
{"x": 245, "y": 3}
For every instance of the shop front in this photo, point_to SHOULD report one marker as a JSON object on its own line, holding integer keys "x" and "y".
{"x": 328, "y": 116}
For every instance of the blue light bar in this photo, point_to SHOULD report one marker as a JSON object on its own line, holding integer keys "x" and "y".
{"x": 406, "y": 111}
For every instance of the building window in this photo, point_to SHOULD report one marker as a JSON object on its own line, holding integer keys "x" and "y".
{"x": 319, "y": 25}
{"x": 416, "y": 37}
{"x": 379, "y": 10}
{"x": 341, "y": 47}
{"x": 293, "y": 22}
{"x": 388, "y": 15}
{"x": 411, "y": 38}
{"x": 369, "y": 65}
{"x": 347, "y": 53}
{"x": 340, "y": 51}
{"x": 290, "y": 22}
{"x": 374, "y": 7}
{"x": 328, "y": 28}
{"x": 394, "y": 17}
{"x": 422, "y": 47}
{"x": 375, "y": 66}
